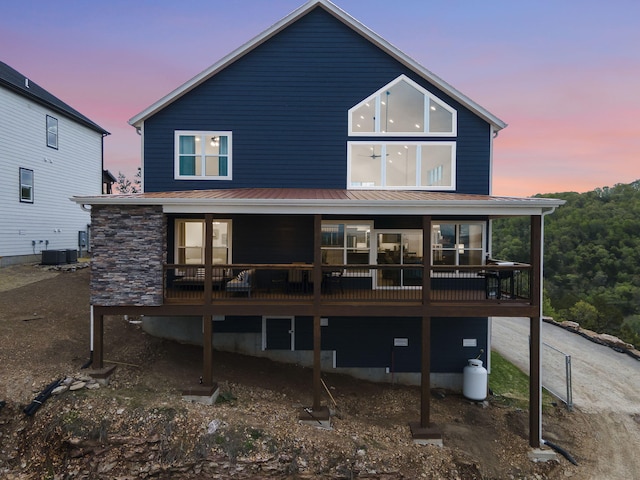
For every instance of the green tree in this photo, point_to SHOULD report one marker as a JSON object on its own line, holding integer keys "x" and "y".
{"x": 591, "y": 257}
{"x": 585, "y": 314}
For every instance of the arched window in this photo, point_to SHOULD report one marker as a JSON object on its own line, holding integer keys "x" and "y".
{"x": 402, "y": 108}
{"x": 415, "y": 148}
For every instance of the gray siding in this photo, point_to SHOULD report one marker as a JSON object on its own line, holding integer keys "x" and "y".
{"x": 75, "y": 168}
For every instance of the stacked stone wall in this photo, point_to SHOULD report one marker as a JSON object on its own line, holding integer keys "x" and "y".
{"x": 128, "y": 252}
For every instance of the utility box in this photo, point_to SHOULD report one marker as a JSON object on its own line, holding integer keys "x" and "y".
{"x": 72, "y": 256}
{"x": 82, "y": 239}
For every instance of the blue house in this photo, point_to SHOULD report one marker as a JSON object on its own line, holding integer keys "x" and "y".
{"x": 318, "y": 197}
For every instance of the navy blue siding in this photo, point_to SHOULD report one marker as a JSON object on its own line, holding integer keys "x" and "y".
{"x": 368, "y": 342}
{"x": 233, "y": 324}
{"x": 286, "y": 103}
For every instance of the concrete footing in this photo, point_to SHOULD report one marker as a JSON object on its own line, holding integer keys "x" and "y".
{"x": 205, "y": 394}
{"x": 430, "y": 435}
{"x": 102, "y": 375}
{"x": 320, "y": 418}
{"x": 540, "y": 455}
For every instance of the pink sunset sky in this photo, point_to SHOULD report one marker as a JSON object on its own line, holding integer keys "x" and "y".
{"x": 564, "y": 74}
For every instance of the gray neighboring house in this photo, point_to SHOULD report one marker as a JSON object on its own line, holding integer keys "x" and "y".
{"x": 48, "y": 152}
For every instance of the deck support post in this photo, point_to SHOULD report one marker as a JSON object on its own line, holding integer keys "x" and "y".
{"x": 535, "y": 383}
{"x": 207, "y": 323}
{"x": 207, "y": 351}
{"x": 207, "y": 391}
{"x": 425, "y": 380}
{"x": 98, "y": 341}
{"x": 317, "y": 415}
{"x": 317, "y": 291}
{"x": 425, "y": 432}
{"x": 317, "y": 367}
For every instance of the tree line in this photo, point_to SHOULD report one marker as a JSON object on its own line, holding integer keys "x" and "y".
{"x": 591, "y": 258}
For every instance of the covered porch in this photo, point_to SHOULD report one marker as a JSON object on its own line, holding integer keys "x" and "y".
{"x": 314, "y": 287}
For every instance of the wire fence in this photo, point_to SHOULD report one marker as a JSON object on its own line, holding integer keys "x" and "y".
{"x": 556, "y": 374}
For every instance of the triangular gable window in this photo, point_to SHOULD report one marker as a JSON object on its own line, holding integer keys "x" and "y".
{"x": 402, "y": 108}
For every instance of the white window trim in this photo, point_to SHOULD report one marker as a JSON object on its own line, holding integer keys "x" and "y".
{"x": 203, "y": 134}
{"x": 31, "y": 186}
{"x": 57, "y": 124}
{"x": 428, "y": 95}
{"x": 382, "y": 143}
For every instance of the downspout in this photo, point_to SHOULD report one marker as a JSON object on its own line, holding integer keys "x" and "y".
{"x": 141, "y": 134}
{"x": 551, "y": 445}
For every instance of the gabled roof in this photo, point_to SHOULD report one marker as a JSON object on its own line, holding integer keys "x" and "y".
{"x": 328, "y": 201}
{"x": 22, "y": 85}
{"x": 349, "y": 21}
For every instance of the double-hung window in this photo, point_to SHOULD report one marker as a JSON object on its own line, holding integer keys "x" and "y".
{"x": 26, "y": 185}
{"x": 203, "y": 155}
{"x": 418, "y": 151}
{"x": 52, "y": 132}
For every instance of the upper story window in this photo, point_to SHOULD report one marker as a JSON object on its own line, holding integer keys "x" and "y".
{"x": 401, "y": 165}
{"x": 402, "y": 108}
{"x": 26, "y": 185}
{"x": 52, "y": 132}
{"x": 203, "y": 155}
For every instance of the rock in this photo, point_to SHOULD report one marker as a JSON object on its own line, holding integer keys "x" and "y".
{"x": 572, "y": 325}
{"x": 613, "y": 341}
{"x": 213, "y": 426}
{"x": 59, "y": 389}
{"x": 77, "y": 386}
{"x": 93, "y": 386}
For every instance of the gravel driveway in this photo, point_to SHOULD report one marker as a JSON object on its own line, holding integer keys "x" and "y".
{"x": 606, "y": 384}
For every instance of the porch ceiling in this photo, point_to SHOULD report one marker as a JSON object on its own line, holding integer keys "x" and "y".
{"x": 329, "y": 201}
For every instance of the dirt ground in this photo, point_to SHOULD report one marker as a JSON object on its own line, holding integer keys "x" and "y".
{"x": 605, "y": 384}
{"x": 138, "y": 426}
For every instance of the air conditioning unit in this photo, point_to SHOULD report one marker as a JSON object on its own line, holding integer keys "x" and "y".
{"x": 72, "y": 256}
{"x": 54, "y": 257}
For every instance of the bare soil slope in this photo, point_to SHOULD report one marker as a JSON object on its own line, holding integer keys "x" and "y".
{"x": 606, "y": 384}
{"x": 139, "y": 427}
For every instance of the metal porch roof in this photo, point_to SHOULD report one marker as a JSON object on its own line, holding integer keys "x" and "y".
{"x": 329, "y": 201}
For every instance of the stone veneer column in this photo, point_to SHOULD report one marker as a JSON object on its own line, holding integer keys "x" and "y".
{"x": 128, "y": 252}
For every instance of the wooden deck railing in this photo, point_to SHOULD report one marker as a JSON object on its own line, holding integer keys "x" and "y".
{"x": 348, "y": 283}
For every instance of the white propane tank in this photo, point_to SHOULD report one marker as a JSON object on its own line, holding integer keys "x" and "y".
{"x": 474, "y": 380}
